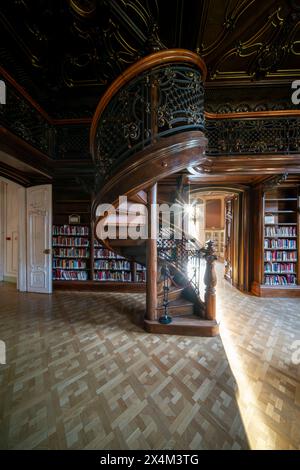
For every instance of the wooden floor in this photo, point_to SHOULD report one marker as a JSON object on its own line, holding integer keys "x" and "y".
{"x": 82, "y": 374}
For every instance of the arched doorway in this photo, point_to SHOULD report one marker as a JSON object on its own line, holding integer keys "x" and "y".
{"x": 222, "y": 214}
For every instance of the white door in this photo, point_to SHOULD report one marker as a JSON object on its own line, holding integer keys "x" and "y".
{"x": 39, "y": 224}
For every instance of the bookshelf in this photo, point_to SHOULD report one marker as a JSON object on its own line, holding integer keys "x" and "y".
{"x": 280, "y": 239}
{"x": 109, "y": 266}
{"x": 76, "y": 260}
{"x": 73, "y": 249}
{"x": 71, "y": 252}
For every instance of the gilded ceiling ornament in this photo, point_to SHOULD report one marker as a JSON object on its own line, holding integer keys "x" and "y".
{"x": 83, "y": 8}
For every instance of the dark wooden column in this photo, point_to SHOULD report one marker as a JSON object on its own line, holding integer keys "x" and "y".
{"x": 133, "y": 271}
{"x": 151, "y": 246}
{"x": 210, "y": 281}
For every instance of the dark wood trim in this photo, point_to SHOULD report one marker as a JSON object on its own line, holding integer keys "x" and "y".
{"x": 100, "y": 286}
{"x": 151, "y": 254}
{"x": 7, "y": 77}
{"x": 168, "y": 156}
{"x": 267, "y": 164}
{"x": 183, "y": 326}
{"x": 261, "y": 290}
{"x": 15, "y": 175}
{"x": 24, "y": 152}
{"x": 255, "y": 114}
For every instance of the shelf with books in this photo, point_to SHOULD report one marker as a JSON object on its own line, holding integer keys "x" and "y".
{"x": 71, "y": 252}
{"x": 280, "y": 232}
{"x": 112, "y": 267}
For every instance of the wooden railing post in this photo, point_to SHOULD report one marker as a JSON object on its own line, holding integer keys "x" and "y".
{"x": 210, "y": 281}
{"x": 151, "y": 244}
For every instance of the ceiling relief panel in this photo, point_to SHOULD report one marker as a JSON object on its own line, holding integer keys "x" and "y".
{"x": 272, "y": 50}
{"x": 56, "y": 48}
{"x": 65, "y": 53}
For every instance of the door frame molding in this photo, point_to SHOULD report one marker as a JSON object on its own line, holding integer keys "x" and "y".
{"x": 22, "y": 237}
{"x": 2, "y": 225}
{"x": 22, "y": 246}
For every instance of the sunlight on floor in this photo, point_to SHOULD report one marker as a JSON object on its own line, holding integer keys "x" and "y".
{"x": 256, "y": 422}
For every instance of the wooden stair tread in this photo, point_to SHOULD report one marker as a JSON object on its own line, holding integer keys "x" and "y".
{"x": 184, "y": 326}
{"x": 191, "y": 320}
{"x": 173, "y": 290}
{"x": 179, "y": 303}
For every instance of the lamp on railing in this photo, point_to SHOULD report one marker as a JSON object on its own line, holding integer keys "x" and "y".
{"x": 165, "y": 318}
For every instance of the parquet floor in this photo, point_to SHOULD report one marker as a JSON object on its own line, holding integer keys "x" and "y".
{"x": 82, "y": 374}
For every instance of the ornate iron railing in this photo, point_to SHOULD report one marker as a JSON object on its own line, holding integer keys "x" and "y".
{"x": 21, "y": 118}
{"x": 253, "y": 136}
{"x": 159, "y": 102}
{"x": 184, "y": 254}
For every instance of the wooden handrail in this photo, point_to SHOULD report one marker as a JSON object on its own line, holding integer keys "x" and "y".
{"x": 254, "y": 114}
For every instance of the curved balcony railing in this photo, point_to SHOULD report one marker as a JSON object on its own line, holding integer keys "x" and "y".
{"x": 160, "y": 95}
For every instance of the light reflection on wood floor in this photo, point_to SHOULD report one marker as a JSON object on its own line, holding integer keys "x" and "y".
{"x": 81, "y": 373}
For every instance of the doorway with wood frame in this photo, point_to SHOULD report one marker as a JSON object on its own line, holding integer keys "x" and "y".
{"x": 220, "y": 214}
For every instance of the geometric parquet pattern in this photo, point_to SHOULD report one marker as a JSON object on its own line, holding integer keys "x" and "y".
{"x": 82, "y": 374}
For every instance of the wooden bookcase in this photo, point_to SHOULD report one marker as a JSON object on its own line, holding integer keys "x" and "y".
{"x": 79, "y": 261}
{"x": 109, "y": 266}
{"x": 279, "y": 267}
{"x": 71, "y": 252}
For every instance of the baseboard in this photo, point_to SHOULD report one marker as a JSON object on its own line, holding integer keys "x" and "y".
{"x": 11, "y": 279}
{"x": 105, "y": 286}
{"x": 262, "y": 290}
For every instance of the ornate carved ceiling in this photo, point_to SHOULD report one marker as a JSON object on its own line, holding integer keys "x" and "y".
{"x": 66, "y": 52}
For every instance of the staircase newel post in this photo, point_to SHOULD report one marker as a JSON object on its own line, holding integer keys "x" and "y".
{"x": 151, "y": 286}
{"x": 210, "y": 281}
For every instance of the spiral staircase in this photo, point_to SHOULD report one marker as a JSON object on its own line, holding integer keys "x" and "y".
{"x": 148, "y": 125}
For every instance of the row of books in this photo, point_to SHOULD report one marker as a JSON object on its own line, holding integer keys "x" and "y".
{"x": 104, "y": 253}
{"x": 122, "y": 276}
{"x": 140, "y": 267}
{"x": 71, "y": 249}
{"x": 280, "y": 267}
{"x": 289, "y": 279}
{"x": 280, "y": 231}
{"x": 141, "y": 276}
{"x": 280, "y": 243}
{"x": 69, "y": 263}
{"x": 65, "y": 241}
{"x": 70, "y": 275}
{"x": 280, "y": 256}
{"x": 61, "y": 275}
{"x": 106, "y": 264}
{"x": 71, "y": 252}
{"x": 70, "y": 230}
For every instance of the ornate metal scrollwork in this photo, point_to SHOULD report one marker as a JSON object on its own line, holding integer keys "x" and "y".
{"x": 275, "y": 181}
{"x": 252, "y": 136}
{"x": 25, "y": 121}
{"x": 171, "y": 95}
